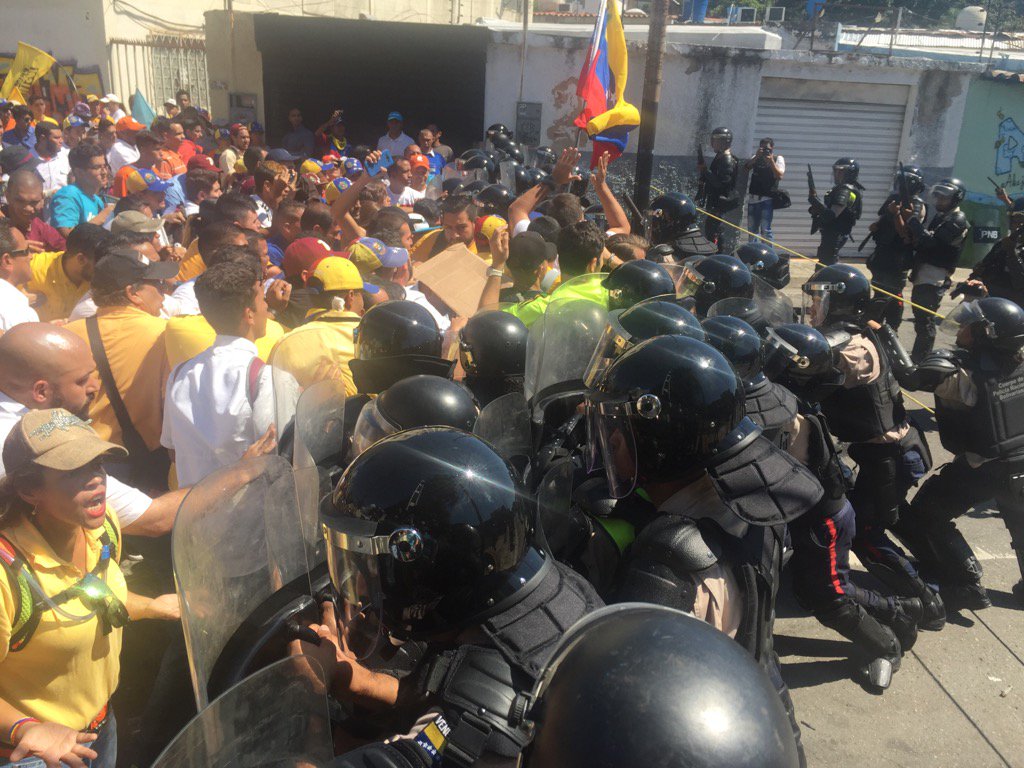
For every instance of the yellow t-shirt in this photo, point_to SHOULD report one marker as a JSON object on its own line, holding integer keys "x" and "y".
{"x": 192, "y": 266}
{"x": 68, "y": 670}
{"x": 302, "y": 351}
{"x": 49, "y": 279}
{"x": 134, "y": 343}
{"x": 188, "y": 335}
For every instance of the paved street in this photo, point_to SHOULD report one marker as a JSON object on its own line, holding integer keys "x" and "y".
{"x": 958, "y": 699}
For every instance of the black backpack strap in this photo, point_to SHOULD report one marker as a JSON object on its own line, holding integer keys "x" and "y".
{"x": 129, "y": 434}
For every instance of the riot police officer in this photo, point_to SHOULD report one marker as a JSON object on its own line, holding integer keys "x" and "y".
{"x": 634, "y": 281}
{"x": 836, "y": 216}
{"x": 893, "y": 254}
{"x": 394, "y": 340}
{"x": 979, "y": 407}
{"x": 494, "y": 200}
{"x": 673, "y": 221}
{"x": 492, "y": 352}
{"x": 867, "y": 411}
{"x": 1001, "y": 272}
{"x": 718, "y": 183}
{"x": 938, "y": 248}
{"x": 431, "y": 538}
{"x": 881, "y": 628}
{"x": 766, "y": 263}
{"x": 653, "y": 709}
{"x": 771, "y": 406}
{"x": 668, "y": 417}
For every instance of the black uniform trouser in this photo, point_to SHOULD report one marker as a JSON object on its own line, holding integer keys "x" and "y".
{"x": 928, "y": 528}
{"x": 718, "y": 233}
{"x": 929, "y": 296}
{"x": 886, "y": 472}
{"x": 831, "y": 242}
{"x": 891, "y": 282}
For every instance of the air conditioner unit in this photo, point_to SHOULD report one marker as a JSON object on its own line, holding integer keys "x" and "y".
{"x": 744, "y": 15}
{"x": 775, "y": 14}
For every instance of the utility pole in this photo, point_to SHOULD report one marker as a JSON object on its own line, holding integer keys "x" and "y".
{"x": 649, "y": 105}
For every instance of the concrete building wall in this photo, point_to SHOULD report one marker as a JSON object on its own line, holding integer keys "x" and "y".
{"x": 69, "y": 29}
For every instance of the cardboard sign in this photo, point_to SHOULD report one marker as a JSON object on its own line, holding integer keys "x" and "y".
{"x": 456, "y": 276}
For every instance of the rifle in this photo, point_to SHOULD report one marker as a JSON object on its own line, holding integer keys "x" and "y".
{"x": 701, "y": 197}
{"x": 901, "y": 183}
{"x": 812, "y": 192}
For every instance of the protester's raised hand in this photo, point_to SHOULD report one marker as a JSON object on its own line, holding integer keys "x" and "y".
{"x": 267, "y": 443}
{"x": 499, "y": 244}
{"x": 373, "y": 158}
{"x": 599, "y": 174}
{"x": 563, "y": 171}
{"x": 279, "y": 294}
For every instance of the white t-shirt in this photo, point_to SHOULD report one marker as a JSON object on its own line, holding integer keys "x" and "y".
{"x": 408, "y": 197}
{"x": 417, "y": 296}
{"x": 397, "y": 146}
{"x": 120, "y": 155}
{"x": 14, "y": 308}
{"x": 780, "y": 163}
{"x": 128, "y": 503}
{"x": 185, "y": 301}
{"x": 228, "y": 158}
{"x": 54, "y": 171}
{"x": 209, "y": 420}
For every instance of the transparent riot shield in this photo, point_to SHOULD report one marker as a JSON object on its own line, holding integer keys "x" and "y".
{"x": 241, "y": 565}
{"x": 453, "y": 171}
{"x": 277, "y": 717}
{"x": 554, "y": 505}
{"x": 562, "y": 342}
{"x": 319, "y": 448}
{"x": 507, "y": 173}
{"x": 505, "y": 423}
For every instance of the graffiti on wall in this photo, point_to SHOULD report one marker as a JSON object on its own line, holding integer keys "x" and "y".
{"x": 55, "y": 86}
{"x": 1009, "y": 147}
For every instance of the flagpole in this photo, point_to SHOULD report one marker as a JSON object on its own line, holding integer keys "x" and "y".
{"x": 522, "y": 55}
{"x": 649, "y": 105}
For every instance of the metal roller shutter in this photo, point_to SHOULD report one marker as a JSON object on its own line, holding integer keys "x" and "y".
{"x": 819, "y": 132}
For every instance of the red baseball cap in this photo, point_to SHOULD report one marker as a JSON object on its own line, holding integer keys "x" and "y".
{"x": 304, "y": 254}
{"x": 203, "y": 162}
{"x": 419, "y": 160}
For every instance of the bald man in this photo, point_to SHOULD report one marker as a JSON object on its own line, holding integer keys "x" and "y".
{"x": 25, "y": 203}
{"x": 45, "y": 366}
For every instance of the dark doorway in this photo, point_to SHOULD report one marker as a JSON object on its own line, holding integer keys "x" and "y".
{"x": 430, "y": 73}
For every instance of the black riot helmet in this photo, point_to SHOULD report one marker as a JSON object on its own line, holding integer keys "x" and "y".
{"x": 580, "y": 186}
{"x": 662, "y": 410}
{"x": 416, "y": 401}
{"x": 471, "y": 153}
{"x": 453, "y": 186}
{"x": 634, "y": 281}
{"x": 659, "y": 316}
{"x": 713, "y": 278}
{"x": 545, "y": 158}
{"x": 482, "y": 162}
{"x": 845, "y": 170}
{"x": 533, "y": 177}
{"x": 835, "y": 293}
{"x": 913, "y": 177}
{"x": 494, "y": 199}
{"x": 948, "y": 194}
{"x": 799, "y": 356}
{"x": 398, "y": 328}
{"x": 493, "y": 343}
{"x": 523, "y": 179}
{"x": 499, "y": 131}
{"x": 430, "y": 531}
{"x": 721, "y": 139}
{"x": 509, "y": 147}
{"x": 636, "y": 685}
{"x": 764, "y": 262}
{"x": 988, "y": 323}
{"x": 672, "y": 215}
{"x": 474, "y": 187}
{"x": 747, "y": 310}
{"x": 662, "y": 253}
{"x": 740, "y": 344}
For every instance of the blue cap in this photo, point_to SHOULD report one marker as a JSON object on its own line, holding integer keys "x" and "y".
{"x": 74, "y": 121}
{"x": 282, "y": 156}
{"x": 352, "y": 165}
{"x": 395, "y": 116}
{"x": 257, "y": 128}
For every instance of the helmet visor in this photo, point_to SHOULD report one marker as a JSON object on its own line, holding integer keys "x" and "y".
{"x": 781, "y": 357}
{"x": 611, "y": 432}
{"x": 353, "y": 561}
{"x": 613, "y": 344}
{"x": 371, "y": 426}
{"x": 959, "y": 324}
{"x": 815, "y": 301}
{"x": 690, "y": 282}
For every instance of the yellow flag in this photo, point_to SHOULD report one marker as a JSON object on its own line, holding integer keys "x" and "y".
{"x": 15, "y": 96}
{"x": 29, "y": 65}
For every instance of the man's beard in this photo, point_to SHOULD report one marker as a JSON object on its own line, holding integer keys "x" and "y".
{"x": 82, "y": 413}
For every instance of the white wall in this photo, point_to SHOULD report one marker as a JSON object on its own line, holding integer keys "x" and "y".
{"x": 69, "y": 29}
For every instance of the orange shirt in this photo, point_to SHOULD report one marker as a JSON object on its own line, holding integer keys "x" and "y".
{"x": 170, "y": 164}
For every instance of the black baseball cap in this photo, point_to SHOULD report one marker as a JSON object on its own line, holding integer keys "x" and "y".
{"x": 530, "y": 247}
{"x": 126, "y": 266}
{"x": 15, "y": 157}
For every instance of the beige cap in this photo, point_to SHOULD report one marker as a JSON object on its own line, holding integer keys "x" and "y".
{"x": 55, "y": 439}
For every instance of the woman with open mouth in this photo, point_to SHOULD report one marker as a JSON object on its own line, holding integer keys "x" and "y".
{"x": 63, "y": 598}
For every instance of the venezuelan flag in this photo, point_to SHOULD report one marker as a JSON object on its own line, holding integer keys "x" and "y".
{"x": 607, "y": 117}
